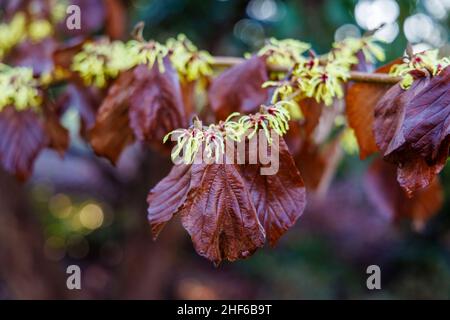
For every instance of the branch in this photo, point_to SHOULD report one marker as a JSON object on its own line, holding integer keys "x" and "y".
{"x": 224, "y": 62}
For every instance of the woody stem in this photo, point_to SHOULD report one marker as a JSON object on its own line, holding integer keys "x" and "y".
{"x": 357, "y": 76}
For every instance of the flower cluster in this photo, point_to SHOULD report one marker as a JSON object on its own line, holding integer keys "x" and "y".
{"x": 188, "y": 140}
{"x": 190, "y": 63}
{"x": 321, "y": 78}
{"x": 212, "y": 138}
{"x": 273, "y": 117}
{"x": 322, "y": 82}
{"x": 18, "y": 88}
{"x": 102, "y": 60}
{"x": 347, "y": 49}
{"x": 30, "y": 26}
{"x": 426, "y": 60}
{"x": 143, "y": 52}
{"x": 12, "y": 33}
{"x": 311, "y": 79}
{"x": 284, "y": 53}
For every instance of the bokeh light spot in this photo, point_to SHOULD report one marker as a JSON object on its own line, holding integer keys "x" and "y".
{"x": 91, "y": 216}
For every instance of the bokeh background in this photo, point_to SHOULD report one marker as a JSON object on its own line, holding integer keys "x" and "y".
{"x": 81, "y": 210}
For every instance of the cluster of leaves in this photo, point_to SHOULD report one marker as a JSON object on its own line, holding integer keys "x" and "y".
{"x": 146, "y": 91}
{"x": 410, "y": 129}
{"x": 228, "y": 209}
{"x": 375, "y": 112}
{"x": 29, "y": 115}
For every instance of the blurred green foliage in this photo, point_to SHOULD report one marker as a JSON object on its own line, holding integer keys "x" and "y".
{"x": 212, "y": 24}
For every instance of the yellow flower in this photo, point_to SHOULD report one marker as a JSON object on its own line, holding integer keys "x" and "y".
{"x": 101, "y": 61}
{"x": 39, "y": 29}
{"x": 284, "y": 53}
{"x": 284, "y": 89}
{"x": 348, "y": 48}
{"x": 275, "y": 117}
{"x": 18, "y": 88}
{"x": 58, "y": 10}
{"x": 349, "y": 142}
{"x": 190, "y": 63}
{"x": 428, "y": 60}
{"x": 12, "y": 33}
{"x": 147, "y": 53}
{"x": 324, "y": 83}
{"x": 189, "y": 141}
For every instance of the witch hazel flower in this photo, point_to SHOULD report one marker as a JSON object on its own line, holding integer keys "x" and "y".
{"x": 100, "y": 61}
{"x": 18, "y": 88}
{"x": 274, "y": 117}
{"x": 416, "y": 64}
{"x": 191, "y": 63}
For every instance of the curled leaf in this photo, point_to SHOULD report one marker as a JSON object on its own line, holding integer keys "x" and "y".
{"x": 427, "y": 119}
{"x": 393, "y": 203}
{"x": 168, "y": 196}
{"x": 411, "y": 129}
{"x": 111, "y": 132}
{"x": 156, "y": 105}
{"x": 239, "y": 88}
{"x": 142, "y": 104}
{"x": 361, "y": 100}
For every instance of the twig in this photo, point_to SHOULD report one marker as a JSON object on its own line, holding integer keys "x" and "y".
{"x": 223, "y": 62}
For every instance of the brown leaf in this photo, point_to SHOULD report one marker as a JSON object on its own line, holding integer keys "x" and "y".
{"x": 279, "y": 199}
{"x": 392, "y": 202}
{"x": 58, "y": 136}
{"x": 141, "y": 104}
{"x": 219, "y": 214}
{"x": 390, "y": 114}
{"x": 317, "y": 164}
{"x": 361, "y": 100}
{"x": 388, "y": 130}
{"x": 228, "y": 209}
{"x": 312, "y": 110}
{"x": 111, "y": 132}
{"x": 415, "y": 173}
{"x": 427, "y": 119}
{"x": 165, "y": 199}
{"x": 294, "y": 136}
{"x": 239, "y": 88}
{"x": 156, "y": 105}
{"x": 23, "y": 137}
{"x": 188, "y": 93}
{"x": 411, "y": 129}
